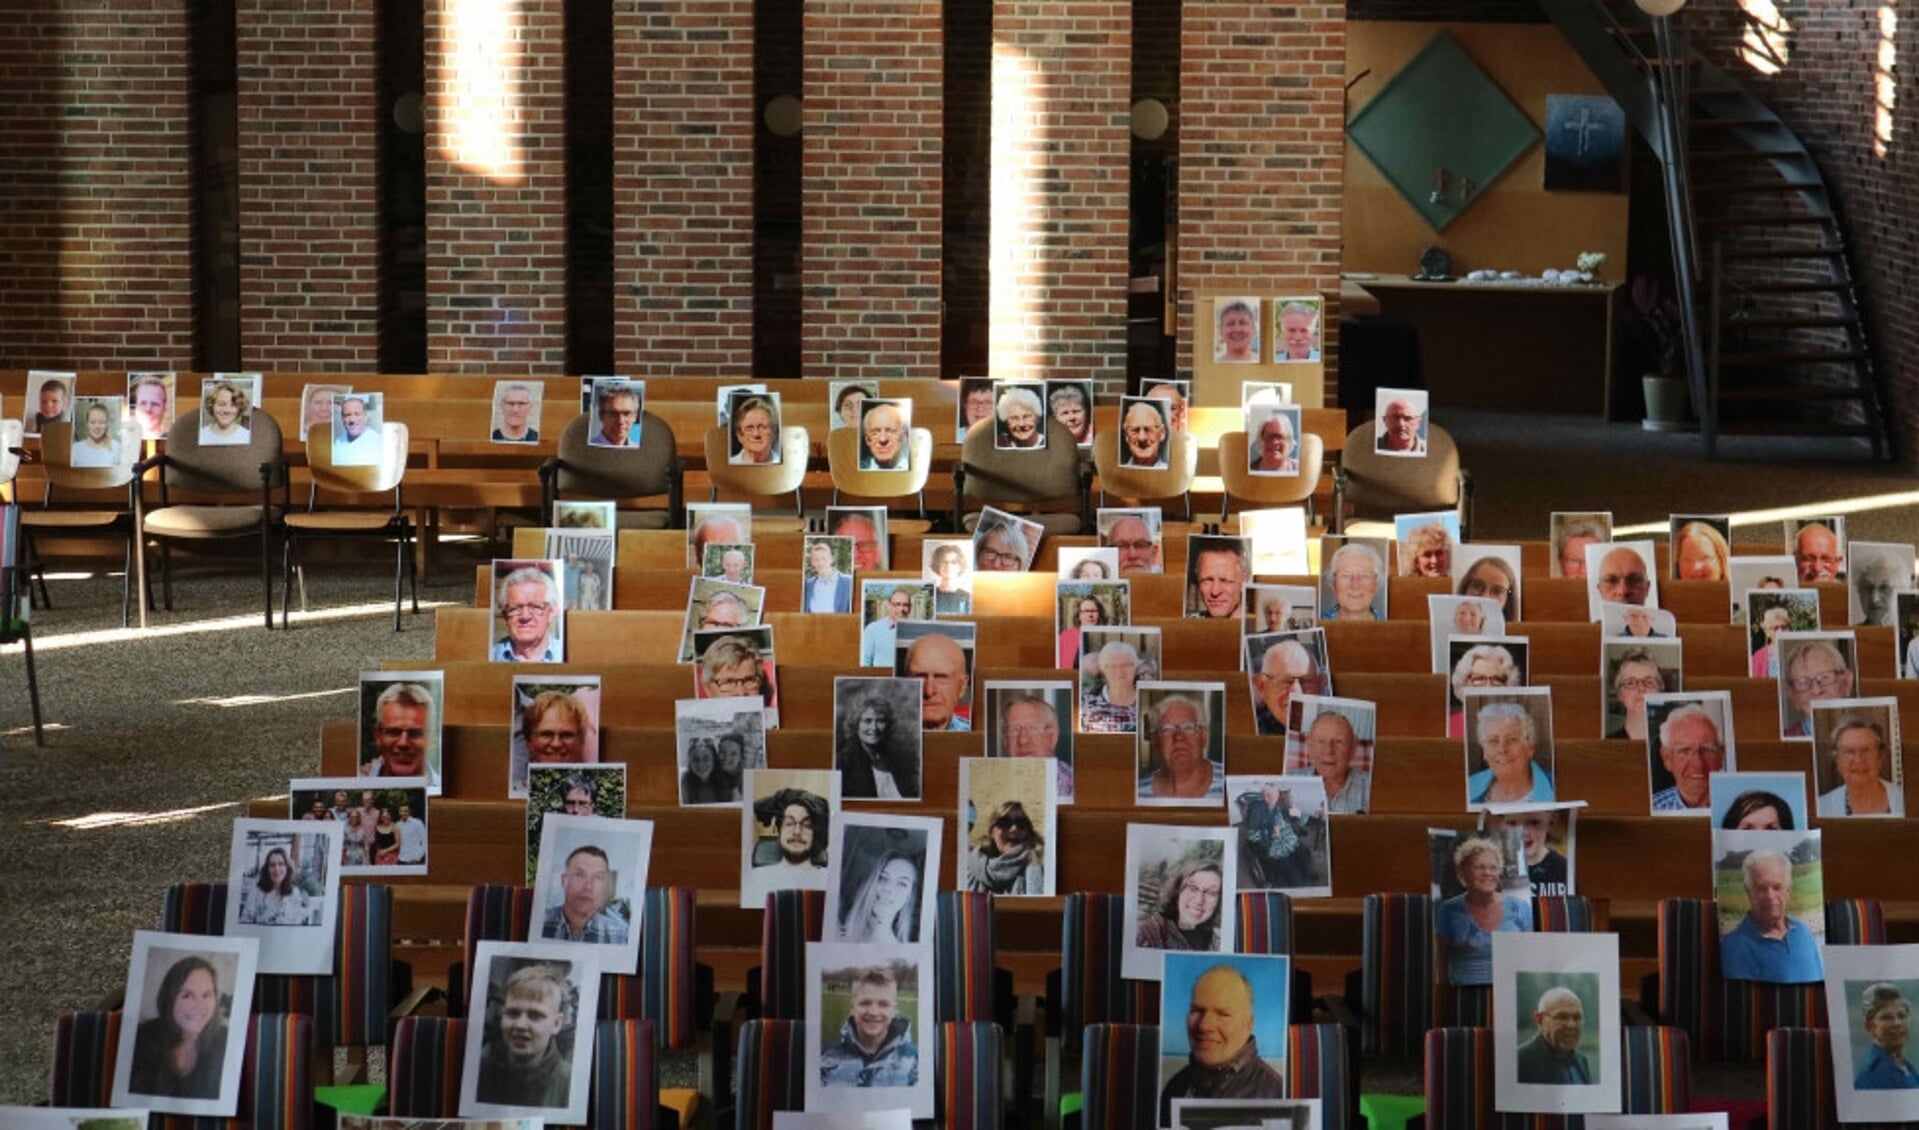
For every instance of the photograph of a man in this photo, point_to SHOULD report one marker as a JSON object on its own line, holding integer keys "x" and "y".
{"x": 1818, "y": 547}
{"x": 1297, "y": 330}
{"x": 1335, "y": 744}
{"x": 582, "y": 914}
{"x": 1401, "y": 430}
{"x": 873, "y": 1046}
{"x": 1135, "y": 533}
{"x": 944, "y": 667}
{"x": 1282, "y": 663}
{"x": 885, "y": 429}
{"x": 532, "y": 1026}
{"x": 516, "y": 412}
{"x": 1767, "y": 942}
{"x": 400, "y": 726}
{"x": 617, "y": 406}
{"x": 1813, "y": 667}
{"x": 1216, "y": 575}
{"x": 1689, "y": 751}
{"x": 1555, "y": 1006}
{"x": 150, "y": 400}
{"x": 1227, "y": 1045}
{"x": 526, "y": 598}
{"x": 358, "y": 436}
{"x": 1033, "y": 720}
{"x": 1552, "y": 1055}
{"x": 1143, "y": 429}
{"x": 1620, "y": 573}
{"x": 825, "y": 587}
{"x": 799, "y": 820}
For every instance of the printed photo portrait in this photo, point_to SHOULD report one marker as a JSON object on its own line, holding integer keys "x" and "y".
{"x": 977, "y": 399}
{"x": 1296, "y": 329}
{"x": 1875, "y": 570}
{"x": 1856, "y": 759}
{"x": 1352, "y": 578}
{"x": 283, "y": 879}
{"x": 1278, "y": 608}
{"x": 1759, "y": 802}
{"x": 1135, "y": 534}
{"x": 826, "y": 580}
{"x": 948, "y": 564}
{"x": 1906, "y": 640}
{"x": 1509, "y": 746}
{"x": 619, "y": 409}
{"x": 1180, "y": 747}
{"x": 1335, "y": 740}
{"x": 399, "y": 717}
{"x": 1571, "y": 531}
{"x": 150, "y": 401}
{"x": 1481, "y": 662}
{"x": 1278, "y": 535}
{"x": 1401, "y": 428}
{"x": 1426, "y": 543}
{"x": 1452, "y": 616}
{"x": 1870, "y": 992}
{"x": 72, "y": 1118}
{"x": 883, "y": 605}
{"x": 1547, "y": 833}
{"x": 1236, "y": 326}
{"x": 1657, "y": 1121}
{"x": 1005, "y": 543}
{"x": 554, "y": 722}
{"x": 875, "y": 1015}
{"x": 724, "y": 397}
{"x": 885, "y": 870}
{"x": 708, "y": 523}
{"x": 529, "y": 619}
{"x": 50, "y": 398}
{"x": 738, "y": 663}
{"x": 1019, "y": 410}
{"x": 1772, "y": 905}
{"x": 1253, "y": 393}
{"x": 1285, "y": 836}
{"x": 866, "y": 526}
{"x": 529, "y": 1045}
{"x": 359, "y": 429}
{"x": 786, "y": 830}
{"x": 1818, "y": 548}
{"x": 1070, "y": 404}
{"x": 713, "y": 604}
{"x": 1749, "y": 573}
{"x": 1689, "y": 740}
{"x": 1556, "y": 1022}
{"x": 102, "y": 436}
{"x": 728, "y": 561}
{"x": 1635, "y": 622}
{"x": 1234, "y": 1114}
{"x": 886, "y": 435}
{"x": 1620, "y": 572}
{"x": 316, "y": 410}
{"x": 877, "y": 735}
{"x": 1813, "y": 667}
{"x": 227, "y": 401}
{"x": 1700, "y": 547}
{"x": 581, "y": 514}
{"x": 569, "y": 790}
{"x": 586, "y": 560}
{"x": 516, "y": 411}
{"x": 1144, "y": 431}
{"x": 183, "y": 1037}
{"x": 1009, "y": 810}
{"x": 1629, "y": 671}
{"x": 383, "y": 827}
{"x": 1217, "y": 571}
{"x": 847, "y": 399}
{"x": 1479, "y": 889}
{"x": 1233, "y": 1040}
{"x": 1112, "y": 663}
{"x": 1491, "y": 571}
{"x": 938, "y": 656}
{"x": 718, "y": 740}
{"x": 592, "y": 886}
{"x": 1032, "y": 720}
{"x": 754, "y": 435}
{"x": 1176, "y": 394}
{"x": 1179, "y": 894}
{"x": 1087, "y": 563}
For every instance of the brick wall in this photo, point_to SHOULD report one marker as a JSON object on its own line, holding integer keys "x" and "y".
{"x": 1061, "y": 175}
{"x": 871, "y": 259}
{"x": 1261, "y": 155}
{"x": 1826, "y": 92}
{"x": 683, "y": 187}
{"x": 95, "y": 264}
{"x": 309, "y": 208}
{"x": 496, "y": 187}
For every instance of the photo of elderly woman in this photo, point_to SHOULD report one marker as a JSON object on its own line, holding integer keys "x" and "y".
{"x": 1021, "y": 415}
{"x": 1180, "y": 893}
{"x": 1236, "y": 325}
{"x": 881, "y": 886}
{"x": 186, "y": 997}
{"x": 1480, "y": 887}
{"x": 755, "y": 428}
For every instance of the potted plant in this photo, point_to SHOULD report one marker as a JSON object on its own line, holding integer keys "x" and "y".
{"x": 1653, "y": 325}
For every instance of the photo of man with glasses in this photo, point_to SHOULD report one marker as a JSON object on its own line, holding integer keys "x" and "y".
{"x": 1813, "y": 667}
{"x": 527, "y": 599}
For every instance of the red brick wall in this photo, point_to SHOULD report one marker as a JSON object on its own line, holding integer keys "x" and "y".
{"x": 1070, "y": 259}
{"x": 871, "y": 262}
{"x": 1261, "y": 155}
{"x": 496, "y": 251}
{"x": 95, "y": 265}
{"x": 1825, "y": 91}
{"x": 309, "y": 272}
{"x": 683, "y": 188}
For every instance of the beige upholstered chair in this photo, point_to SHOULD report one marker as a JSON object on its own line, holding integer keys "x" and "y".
{"x": 351, "y": 522}
{"x": 64, "y": 481}
{"x": 1050, "y": 485}
{"x": 230, "y": 472}
{"x": 617, "y": 473}
{"x": 1376, "y": 486}
{"x": 761, "y": 480}
{"x": 843, "y": 460}
{"x": 1268, "y": 490}
{"x": 1175, "y": 481}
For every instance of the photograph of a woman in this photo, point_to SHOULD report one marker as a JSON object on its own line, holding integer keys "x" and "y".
{"x": 97, "y": 441}
{"x": 1466, "y": 922}
{"x": 226, "y": 407}
{"x": 1180, "y": 892}
{"x": 186, "y": 995}
{"x": 876, "y": 743}
{"x": 1007, "y": 855}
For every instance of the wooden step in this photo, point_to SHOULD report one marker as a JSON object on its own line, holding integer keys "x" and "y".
{"x": 1833, "y": 322}
{"x": 1746, "y": 153}
{"x": 1778, "y": 253}
{"x": 1786, "y": 394}
{"x": 1835, "y": 287}
{"x": 1780, "y": 357}
{"x": 1796, "y": 427}
{"x": 1767, "y": 219}
{"x": 1755, "y": 186}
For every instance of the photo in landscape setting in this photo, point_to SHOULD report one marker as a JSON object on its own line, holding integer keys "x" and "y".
{"x": 717, "y": 740}
{"x": 385, "y": 827}
{"x": 1285, "y": 834}
{"x": 871, "y": 1045}
{"x": 1770, "y": 887}
{"x": 1009, "y": 812}
{"x": 1180, "y": 894}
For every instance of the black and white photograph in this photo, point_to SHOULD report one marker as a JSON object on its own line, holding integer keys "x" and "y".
{"x": 1180, "y": 894}
{"x": 1285, "y": 834}
{"x": 873, "y": 1005}
{"x": 1009, "y": 813}
{"x": 529, "y": 611}
{"x": 1032, "y": 720}
{"x": 552, "y": 721}
{"x": 877, "y": 736}
{"x": 591, "y": 889}
{"x": 884, "y": 873}
{"x": 384, "y": 825}
{"x": 1180, "y": 745}
{"x": 529, "y": 1044}
{"x": 183, "y": 1034}
{"x": 718, "y": 740}
{"x": 786, "y": 829}
{"x": 399, "y": 715}
{"x": 1875, "y": 570}
{"x": 283, "y": 883}
{"x": 1555, "y": 1021}
{"x": 569, "y": 790}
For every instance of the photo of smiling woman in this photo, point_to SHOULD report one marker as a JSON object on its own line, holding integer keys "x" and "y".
{"x": 1236, "y": 331}
{"x": 879, "y": 891}
{"x": 1180, "y": 893}
{"x": 226, "y": 410}
{"x": 188, "y": 994}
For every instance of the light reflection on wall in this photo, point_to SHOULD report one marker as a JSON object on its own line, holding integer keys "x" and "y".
{"x": 1885, "y": 84}
{"x": 482, "y": 96}
{"x": 1764, "y": 47}
{"x": 1012, "y": 304}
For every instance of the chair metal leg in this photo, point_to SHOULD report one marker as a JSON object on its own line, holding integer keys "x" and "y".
{"x": 286, "y": 583}
{"x": 37, "y": 574}
{"x": 166, "y": 575}
{"x": 266, "y": 570}
{"x": 399, "y": 574}
{"x": 126, "y": 590}
{"x": 33, "y": 686}
{"x": 799, "y": 504}
{"x": 413, "y": 564}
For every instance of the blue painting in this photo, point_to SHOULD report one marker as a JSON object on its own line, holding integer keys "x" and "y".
{"x": 1585, "y": 144}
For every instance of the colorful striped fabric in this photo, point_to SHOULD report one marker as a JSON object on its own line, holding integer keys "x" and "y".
{"x": 276, "y": 1081}
{"x": 1317, "y": 1068}
{"x": 1396, "y": 974}
{"x": 494, "y": 913}
{"x": 1462, "y": 1006}
{"x": 626, "y": 1076}
{"x": 1119, "y": 1077}
{"x": 663, "y": 991}
{"x": 1799, "y": 1080}
{"x": 793, "y": 918}
{"x": 1656, "y": 1070}
{"x": 963, "y": 949}
{"x": 770, "y": 1075}
{"x": 1265, "y": 923}
{"x": 966, "y": 1085}
{"x": 1563, "y": 914}
{"x": 423, "y": 1068}
{"x": 1459, "y": 1079}
{"x": 1727, "y": 1021}
{"x": 85, "y": 1048}
{"x": 194, "y": 908}
{"x": 1092, "y": 991}
{"x": 1855, "y": 922}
